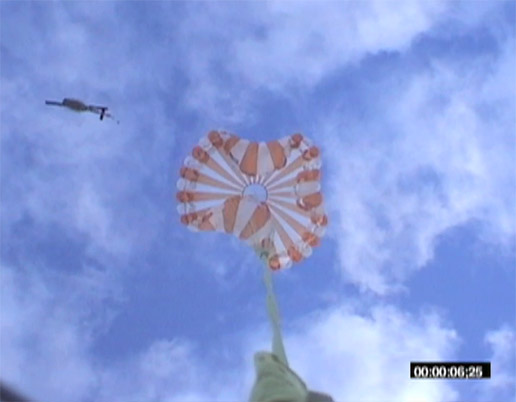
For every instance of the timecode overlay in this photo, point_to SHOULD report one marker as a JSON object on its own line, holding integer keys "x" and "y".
{"x": 450, "y": 370}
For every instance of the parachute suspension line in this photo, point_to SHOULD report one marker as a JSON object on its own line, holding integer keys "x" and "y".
{"x": 272, "y": 309}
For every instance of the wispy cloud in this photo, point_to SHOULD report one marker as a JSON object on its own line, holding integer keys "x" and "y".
{"x": 365, "y": 356}
{"x": 286, "y": 46}
{"x": 442, "y": 160}
{"x": 48, "y": 323}
{"x": 501, "y": 386}
{"x": 350, "y": 354}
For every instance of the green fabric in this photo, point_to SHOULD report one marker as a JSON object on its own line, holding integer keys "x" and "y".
{"x": 272, "y": 308}
{"x": 275, "y": 380}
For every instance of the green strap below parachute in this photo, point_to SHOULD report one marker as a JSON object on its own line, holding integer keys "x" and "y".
{"x": 275, "y": 380}
{"x": 272, "y": 308}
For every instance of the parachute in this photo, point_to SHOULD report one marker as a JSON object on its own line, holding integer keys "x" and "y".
{"x": 269, "y": 196}
{"x": 266, "y": 194}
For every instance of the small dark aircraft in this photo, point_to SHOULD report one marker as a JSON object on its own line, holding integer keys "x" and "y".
{"x": 80, "y": 106}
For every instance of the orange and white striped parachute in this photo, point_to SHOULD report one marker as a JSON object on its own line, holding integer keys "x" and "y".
{"x": 267, "y": 194}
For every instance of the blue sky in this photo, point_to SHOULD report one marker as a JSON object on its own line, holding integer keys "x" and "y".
{"x": 105, "y": 296}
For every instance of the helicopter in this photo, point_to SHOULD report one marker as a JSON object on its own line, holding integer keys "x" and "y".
{"x": 80, "y": 106}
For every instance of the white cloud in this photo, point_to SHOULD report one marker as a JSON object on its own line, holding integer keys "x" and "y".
{"x": 443, "y": 158}
{"x": 49, "y": 324}
{"x": 366, "y": 357}
{"x": 48, "y": 332}
{"x": 172, "y": 370}
{"x": 502, "y": 384}
{"x": 304, "y": 41}
{"x": 277, "y": 45}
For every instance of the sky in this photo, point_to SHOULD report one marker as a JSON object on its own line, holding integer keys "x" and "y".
{"x": 105, "y": 296}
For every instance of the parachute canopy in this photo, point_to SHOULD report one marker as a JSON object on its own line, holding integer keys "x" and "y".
{"x": 266, "y": 194}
